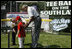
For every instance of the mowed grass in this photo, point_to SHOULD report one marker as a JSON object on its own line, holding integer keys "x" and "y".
{"x": 45, "y": 41}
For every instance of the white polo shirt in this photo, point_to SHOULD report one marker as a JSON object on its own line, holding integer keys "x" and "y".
{"x": 32, "y": 11}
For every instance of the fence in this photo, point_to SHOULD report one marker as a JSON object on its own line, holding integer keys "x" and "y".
{"x": 6, "y": 36}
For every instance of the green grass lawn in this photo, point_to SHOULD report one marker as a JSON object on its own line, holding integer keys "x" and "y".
{"x": 45, "y": 41}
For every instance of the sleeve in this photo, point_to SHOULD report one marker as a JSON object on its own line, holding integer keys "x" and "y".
{"x": 35, "y": 12}
{"x": 30, "y": 12}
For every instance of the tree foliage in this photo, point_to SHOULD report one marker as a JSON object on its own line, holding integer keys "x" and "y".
{"x": 4, "y": 2}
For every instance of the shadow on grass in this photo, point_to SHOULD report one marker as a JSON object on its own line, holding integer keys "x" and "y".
{"x": 52, "y": 46}
{"x": 41, "y": 46}
{"x": 49, "y": 46}
{"x": 65, "y": 34}
{"x": 29, "y": 44}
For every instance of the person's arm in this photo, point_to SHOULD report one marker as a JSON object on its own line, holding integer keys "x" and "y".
{"x": 27, "y": 24}
{"x": 17, "y": 33}
{"x": 30, "y": 13}
{"x": 13, "y": 26}
{"x": 14, "y": 30}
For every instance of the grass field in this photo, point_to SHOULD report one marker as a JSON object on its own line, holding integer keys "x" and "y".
{"x": 45, "y": 41}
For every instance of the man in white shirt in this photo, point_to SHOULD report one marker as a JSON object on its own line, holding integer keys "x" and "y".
{"x": 34, "y": 15}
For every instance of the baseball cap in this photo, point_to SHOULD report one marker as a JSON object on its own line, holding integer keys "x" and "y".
{"x": 18, "y": 18}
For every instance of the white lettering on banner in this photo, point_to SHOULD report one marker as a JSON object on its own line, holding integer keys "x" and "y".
{"x": 51, "y": 3}
{"x": 59, "y": 27}
{"x": 64, "y": 7}
{"x": 62, "y": 3}
{"x": 56, "y": 12}
{"x": 58, "y": 3}
{"x": 58, "y": 8}
{"x": 59, "y": 24}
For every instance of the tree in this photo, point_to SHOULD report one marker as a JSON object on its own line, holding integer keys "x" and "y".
{"x": 4, "y": 2}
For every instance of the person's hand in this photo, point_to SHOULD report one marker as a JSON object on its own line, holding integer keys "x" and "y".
{"x": 17, "y": 35}
{"x": 14, "y": 30}
{"x": 31, "y": 19}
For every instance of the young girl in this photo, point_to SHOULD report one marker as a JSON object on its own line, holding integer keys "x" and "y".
{"x": 21, "y": 30}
